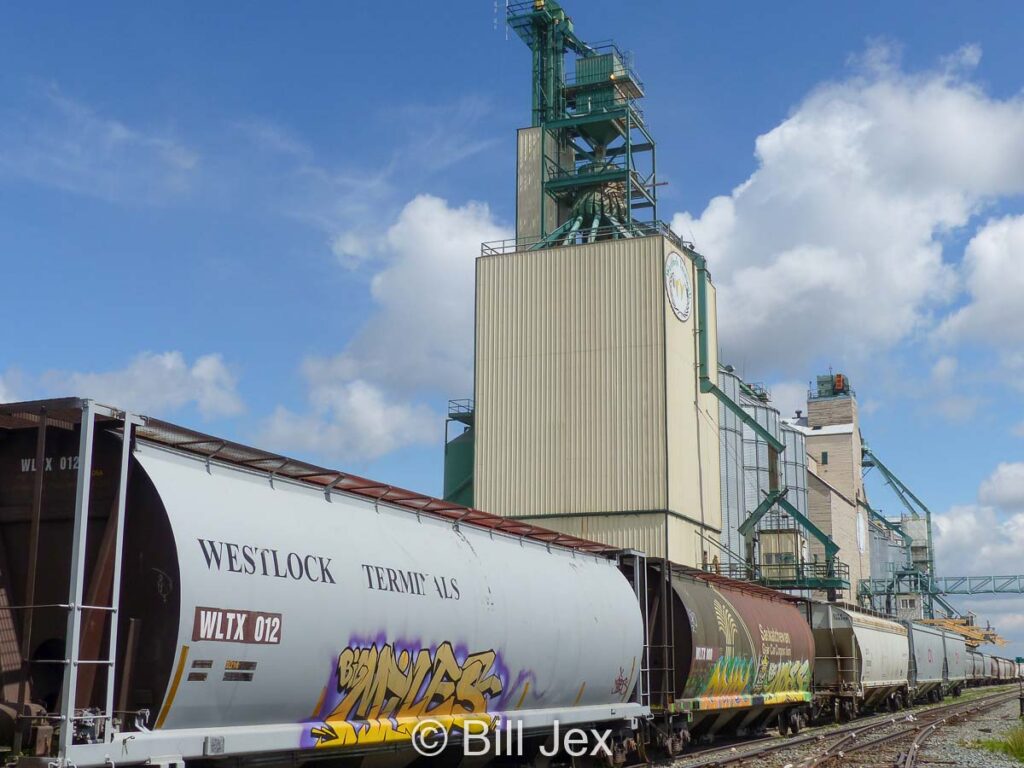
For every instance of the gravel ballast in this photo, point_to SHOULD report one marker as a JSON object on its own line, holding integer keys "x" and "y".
{"x": 951, "y": 744}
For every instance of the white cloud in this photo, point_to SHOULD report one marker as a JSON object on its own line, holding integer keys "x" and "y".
{"x": 976, "y": 540}
{"x": 156, "y": 384}
{"x": 352, "y": 420}
{"x": 349, "y": 205}
{"x": 944, "y": 369}
{"x": 958, "y": 408}
{"x": 420, "y": 336}
{"x": 995, "y": 283}
{"x": 270, "y": 137}
{"x": 67, "y": 145}
{"x": 1004, "y": 487}
{"x": 6, "y": 394}
{"x": 986, "y": 538}
{"x": 789, "y": 397}
{"x": 368, "y": 399}
{"x": 835, "y": 241}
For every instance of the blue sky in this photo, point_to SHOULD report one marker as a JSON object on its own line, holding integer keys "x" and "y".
{"x": 261, "y": 222}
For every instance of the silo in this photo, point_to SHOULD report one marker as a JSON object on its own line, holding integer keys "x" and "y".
{"x": 888, "y": 552}
{"x": 731, "y": 469}
{"x": 794, "y": 467}
{"x": 781, "y": 542}
{"x": 756, "y": 481}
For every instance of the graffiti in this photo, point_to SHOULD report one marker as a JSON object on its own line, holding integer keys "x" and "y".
{"x": 782, "y": 676}
{"x": 621, "y": 681}
{"x": 730, "y": 675}
{"x": 740, "y": 664}
{"x": 378, "y": 693}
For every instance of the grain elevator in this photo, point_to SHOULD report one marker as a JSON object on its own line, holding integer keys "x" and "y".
{"x": 594, "y": 408}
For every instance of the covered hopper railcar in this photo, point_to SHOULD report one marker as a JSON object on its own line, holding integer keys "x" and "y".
{"x": 976, "y": 668}
{"x": 956, "y": 663}
{"x": 1002, "y": 670}
{"x": 938, "y": 662}
{"x": 259, "y": 614}
{"x": 861, "y": 661}
{"x": 741, "y": 658}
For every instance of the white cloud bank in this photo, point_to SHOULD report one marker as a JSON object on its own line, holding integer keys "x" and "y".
{"x": 1004, "y": 488}
{"x": 368, "y": 400}
{"x": 155, "y": 384}
{"x": 986, "y": 538}
{"x": 834, "y": 244}
{"x": 994, "y": 277}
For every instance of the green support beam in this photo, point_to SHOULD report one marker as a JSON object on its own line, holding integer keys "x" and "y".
{"x": 946, "y": 585}
{"x": 904, "y": 493}
{"x": 778, "y": 496}
{"x": 831, "y": 548}
{"x": 907, "y": 538}
{"x": 747, "y": 527}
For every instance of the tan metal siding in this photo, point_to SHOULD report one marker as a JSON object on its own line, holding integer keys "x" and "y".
{"x": 642, "y": 532}
{"x": 693, "y": 438}
{"x": 570, "y": 379}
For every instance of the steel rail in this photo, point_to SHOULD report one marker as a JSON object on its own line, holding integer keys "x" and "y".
{"x": 930, "y": 725}
{"x": 908, "y": 759}
{"x": 728, "y": 755}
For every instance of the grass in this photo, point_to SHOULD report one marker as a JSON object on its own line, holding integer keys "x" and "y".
{"x": 1012, "y": 744}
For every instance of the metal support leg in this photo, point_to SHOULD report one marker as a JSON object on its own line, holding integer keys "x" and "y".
{"x": 115, "y": 593}
{"x": 75, "y": 588}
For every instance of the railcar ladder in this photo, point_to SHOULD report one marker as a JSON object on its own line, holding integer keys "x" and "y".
{"x": 72, "y": 661}
{"x": 638, "y": 578}
{"x": 661, "y": 650}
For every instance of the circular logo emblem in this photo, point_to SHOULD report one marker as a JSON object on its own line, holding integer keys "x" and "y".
{"x": 677, "y": 286}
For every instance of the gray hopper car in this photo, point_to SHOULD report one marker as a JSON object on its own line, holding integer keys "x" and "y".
{"x": 938, "y": 662}
{"x": 252, "y": 607}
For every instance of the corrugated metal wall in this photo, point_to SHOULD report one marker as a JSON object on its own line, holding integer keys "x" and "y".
{"x": 570, "y": 380}
{"x": 642, "y": 532}
{"x": 693, "y": 440}
{"x": 755, "y": 453}
{"x": 743, "y": 466}
{"x": 731, "y": 469}
{"x": 794, "y": 467}
{"x": 887, "y": 553}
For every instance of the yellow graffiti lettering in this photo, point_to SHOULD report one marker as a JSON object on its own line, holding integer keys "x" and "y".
{"x": 384, "y": 695}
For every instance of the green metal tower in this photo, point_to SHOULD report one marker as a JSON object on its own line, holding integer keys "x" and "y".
{"x": 597, "y": 157}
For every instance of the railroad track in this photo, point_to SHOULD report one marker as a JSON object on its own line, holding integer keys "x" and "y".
{"x": 908, "y": 759}
{"x": 919, "y": 730}
{"x": 828, "y": 748}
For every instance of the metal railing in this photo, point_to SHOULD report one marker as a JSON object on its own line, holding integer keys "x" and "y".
{"x": 639, "y": 229}
{"x": 463, "y": 407}
{"x": 790, "y": 573}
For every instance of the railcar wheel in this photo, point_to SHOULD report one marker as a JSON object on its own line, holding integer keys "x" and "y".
{"x": 845, "y": 711}
{"x": 796, "y": 722}
{"x": 783, "y": 723}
